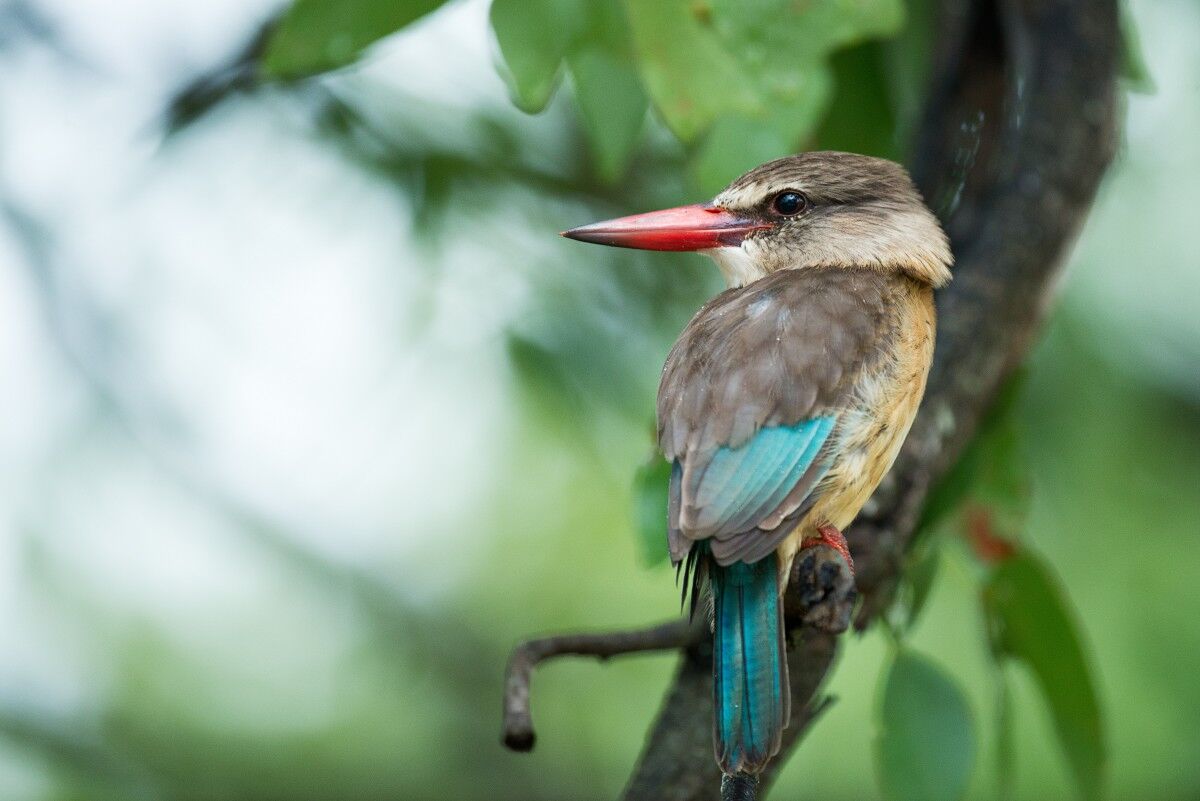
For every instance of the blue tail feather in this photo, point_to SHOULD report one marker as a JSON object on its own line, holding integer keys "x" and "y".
{"x": 750, "y": 688}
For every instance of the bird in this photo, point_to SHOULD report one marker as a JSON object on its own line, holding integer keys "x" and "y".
{"x": 787, "y": 397}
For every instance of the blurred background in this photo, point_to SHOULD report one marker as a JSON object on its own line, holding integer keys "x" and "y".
{"x": 309, "y": 415}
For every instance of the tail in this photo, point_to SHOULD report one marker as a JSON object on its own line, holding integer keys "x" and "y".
{"x": 751, "y": 696}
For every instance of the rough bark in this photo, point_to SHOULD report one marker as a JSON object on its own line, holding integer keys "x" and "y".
{"x": 1017, "y": 132}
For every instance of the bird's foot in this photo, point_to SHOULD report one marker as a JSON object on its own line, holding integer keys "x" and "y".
{"x": 822, "y": 584}
{"x": 829, "y": 535}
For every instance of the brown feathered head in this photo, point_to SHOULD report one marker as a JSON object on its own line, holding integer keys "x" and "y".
{"x": 812, "y": 210}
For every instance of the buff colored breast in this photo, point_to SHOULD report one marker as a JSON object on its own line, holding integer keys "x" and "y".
{"x": 871, "y": 431}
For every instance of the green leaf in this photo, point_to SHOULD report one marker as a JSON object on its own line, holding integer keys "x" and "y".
{"x": 1029, "y": 620}
{"x": 612, "y": 106}
{"x": 608, "y": 90}
{"x": 534, "y": 37}
{"x": 688, "y": 72}
{"x": 651, "y": 485}
{"x": 1134, "y": 69}
{"x": 748, "y": 78}
{"x": 319, "y": 35}
{"x": 925, "y": 748}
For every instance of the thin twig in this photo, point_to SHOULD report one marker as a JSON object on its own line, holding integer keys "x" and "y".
{"x": 518, "y": 722}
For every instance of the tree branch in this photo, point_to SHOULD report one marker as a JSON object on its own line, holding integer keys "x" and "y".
{"x": 1017, "y": 132}
{"x": 822, "y": 603}
{"x": 518, "y": 721}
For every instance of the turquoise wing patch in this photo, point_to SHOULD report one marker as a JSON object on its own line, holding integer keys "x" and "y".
{"x": 740, "y": 486}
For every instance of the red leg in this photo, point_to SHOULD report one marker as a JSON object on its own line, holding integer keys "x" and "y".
{"x": 828, "y": 535}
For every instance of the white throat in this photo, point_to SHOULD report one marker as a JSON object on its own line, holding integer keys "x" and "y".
{"x": 738, "y": 266}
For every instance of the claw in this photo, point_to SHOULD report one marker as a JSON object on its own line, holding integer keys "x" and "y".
{"x": 829, "y": 535}
{"x": 821, "y": 590}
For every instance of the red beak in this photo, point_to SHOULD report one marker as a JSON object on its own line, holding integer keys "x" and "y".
{"x": 697, "y": 227}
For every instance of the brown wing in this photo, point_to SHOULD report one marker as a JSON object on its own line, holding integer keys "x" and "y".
{"x": 779, "y": 352}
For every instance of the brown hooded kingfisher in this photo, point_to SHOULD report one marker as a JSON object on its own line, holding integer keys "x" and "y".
{"x": 787, "y": 397}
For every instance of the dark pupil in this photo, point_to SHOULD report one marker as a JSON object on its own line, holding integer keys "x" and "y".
{"x": 789, "y": 203}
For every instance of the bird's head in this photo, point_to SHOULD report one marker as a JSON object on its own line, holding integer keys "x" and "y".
{"x": 819, "y": 209}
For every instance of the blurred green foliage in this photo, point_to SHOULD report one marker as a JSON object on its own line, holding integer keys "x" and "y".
{"x": 651, "y": 489}
{"x": 925, "y": 746}
{"x": 992, "y": 471}
{"x": 738, "y": 83}
{"x": 318, "y": 35}
{"x": 985, "y": 501}
{"x": 1030, "y": 622}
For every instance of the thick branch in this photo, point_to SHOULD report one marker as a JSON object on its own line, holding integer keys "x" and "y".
{"x": 678, "y": 762}
{"x": 1013, "y": 173}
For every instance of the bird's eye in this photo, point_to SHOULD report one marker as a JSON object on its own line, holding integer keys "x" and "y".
{"x": 789, "y": 203}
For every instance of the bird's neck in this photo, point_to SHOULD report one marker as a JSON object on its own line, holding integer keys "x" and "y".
{"x": 737, "y": 266}
{"x": 740, "y": 268}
